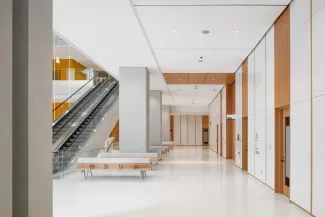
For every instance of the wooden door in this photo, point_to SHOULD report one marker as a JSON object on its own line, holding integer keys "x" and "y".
{"x": 286, "y": 151}
{"x": 244, "y": 144}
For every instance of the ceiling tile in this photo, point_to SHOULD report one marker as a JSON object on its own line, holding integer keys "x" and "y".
{"x": 196, "y": 78}
{"x": 220, "y": 78}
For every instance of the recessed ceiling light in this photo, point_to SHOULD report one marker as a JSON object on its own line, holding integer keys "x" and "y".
{"x": 214, "y": 79}
{"x": 180, "y": 91}
{"x": 237, "y": 31}
{"x": 174, "y": 31}
{"x": 180, "y": 79}
{"x": 57, "y": 59}
{"x": 206, "y": 32}
{"x": 103, "y": 31}
{"x": 214, "y": 91}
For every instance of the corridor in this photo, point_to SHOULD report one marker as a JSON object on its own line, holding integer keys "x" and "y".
{"x": 190, "y": 182}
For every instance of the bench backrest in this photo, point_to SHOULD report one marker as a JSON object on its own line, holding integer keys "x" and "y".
{"x": 114, "y": 160}
{"x": 129, "y": 155}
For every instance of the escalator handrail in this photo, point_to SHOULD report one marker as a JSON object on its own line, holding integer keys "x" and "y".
{"x": 79, "y": 121}
{"x": 73, "y": 94}
{"x": 79, "y": 151}
{"x": 110, "y": 85}
{"x": 74, "y": 104}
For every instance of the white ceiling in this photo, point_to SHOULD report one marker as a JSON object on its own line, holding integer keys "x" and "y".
{"x": 179, "y": 43}
{"x": 115, "y": 33}
{"x": 107, "y": 31}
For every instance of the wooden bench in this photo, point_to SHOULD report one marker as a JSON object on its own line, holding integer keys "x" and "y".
{"x": 163, "y": 150}
{"x": 114, "y": 164}
{"x": 170, "y": 144}
{"x": 154, "y": 158}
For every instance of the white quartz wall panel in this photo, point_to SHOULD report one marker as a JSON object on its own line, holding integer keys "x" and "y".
{"x": 300, "y": 61}
{"x": 318, "y": 48}
{"x": 251, "y": 113}
{"x": 191, "y": 130}
{"x": 318, "y": 156}
{"x": 300, "y": 154}
{"x": 184, "y": 130}
{"x": 177, "y": 129}
{"x": 212, "y": 126}
{"x": 238, "y": 104}
{"x": 270, "y": 69}
{"x": 260, "y": 111}
{"x": 270, "y": 155}
{"x": 198, "y": 130}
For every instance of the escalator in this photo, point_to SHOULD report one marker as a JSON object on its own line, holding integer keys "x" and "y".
{"x": 71, "y": 132}
{"x": 67, "y": 119}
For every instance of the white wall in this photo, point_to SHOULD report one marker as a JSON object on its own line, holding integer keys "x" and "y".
{"x": 238, "y": 104}
{"x": 260, "y": 110}
{"x": 213, "y": 126}
{"x": 318, "y": 106}
{"x": 165, "y": 118}
{"x": 300, "y": 104}
{"x": 198, "y": 130}
{"x": 188, "y": 129}
{"x": 177, "y": 129}
{"x": 189, "y": 110}
{"x": 251, "y": 113}
{"x": 184, "y": 137}
{"x": 155, "y": 117}
{"x": 270, "y": 114}
{"x": 134, "y": 109}
{"x": 61, "y": 90}
{"x": 191, "y": 133}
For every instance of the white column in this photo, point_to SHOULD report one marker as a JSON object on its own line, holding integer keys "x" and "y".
{"x": 134, "y": 109}
{"x": 166, "y": 134}
{"x": 6, "y": 107}
{"x": 32, "y": 105}
{"x": 155, "y": 117}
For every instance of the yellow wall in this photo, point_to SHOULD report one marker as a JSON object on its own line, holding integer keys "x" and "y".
{"x": 57, "y": 113}
{"x": 64, "y": 65}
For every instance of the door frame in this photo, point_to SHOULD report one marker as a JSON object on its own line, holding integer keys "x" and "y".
{"x": 280, "y": 113}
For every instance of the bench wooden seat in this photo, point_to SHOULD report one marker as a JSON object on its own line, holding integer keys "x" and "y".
{"x": 159, "y": 149}
{"x": 154, "y": 158}
{"x": 170, "y": 144}
{"x": 117, "y": 164}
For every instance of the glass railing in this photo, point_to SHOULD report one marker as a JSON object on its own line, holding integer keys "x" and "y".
{"x": 68, "y": 93}
{"x": 60, "y": 158}
{"x": 64, "y": 159}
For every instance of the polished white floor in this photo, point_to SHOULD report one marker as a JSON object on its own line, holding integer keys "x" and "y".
{"x": 190, "y": 182}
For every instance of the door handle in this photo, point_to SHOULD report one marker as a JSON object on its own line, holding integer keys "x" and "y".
{"x": 283, "y": 161}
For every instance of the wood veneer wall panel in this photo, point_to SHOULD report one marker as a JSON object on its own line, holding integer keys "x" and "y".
{"x": 220, "y": 125}
{"x": 282, "y": 60}
{"x": 245, "y": 88}
{"x": 231, "y": 124}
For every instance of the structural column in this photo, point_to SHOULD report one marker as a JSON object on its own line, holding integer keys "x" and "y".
{"x": 166, "y": 134}
{"x": 134, "y": 109}
{"x": 6, "y": 107}
{"x": 31, "y": 112}
{"x": 155, "y": 117}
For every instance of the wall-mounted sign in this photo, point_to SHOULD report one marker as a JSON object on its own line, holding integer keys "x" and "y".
{"x": 231, "y": 117}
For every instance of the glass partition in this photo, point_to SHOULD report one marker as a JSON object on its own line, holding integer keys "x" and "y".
{"x": 73, "y": 74}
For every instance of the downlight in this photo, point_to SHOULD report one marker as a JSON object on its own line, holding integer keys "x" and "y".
{"x": 205, "y": 32}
